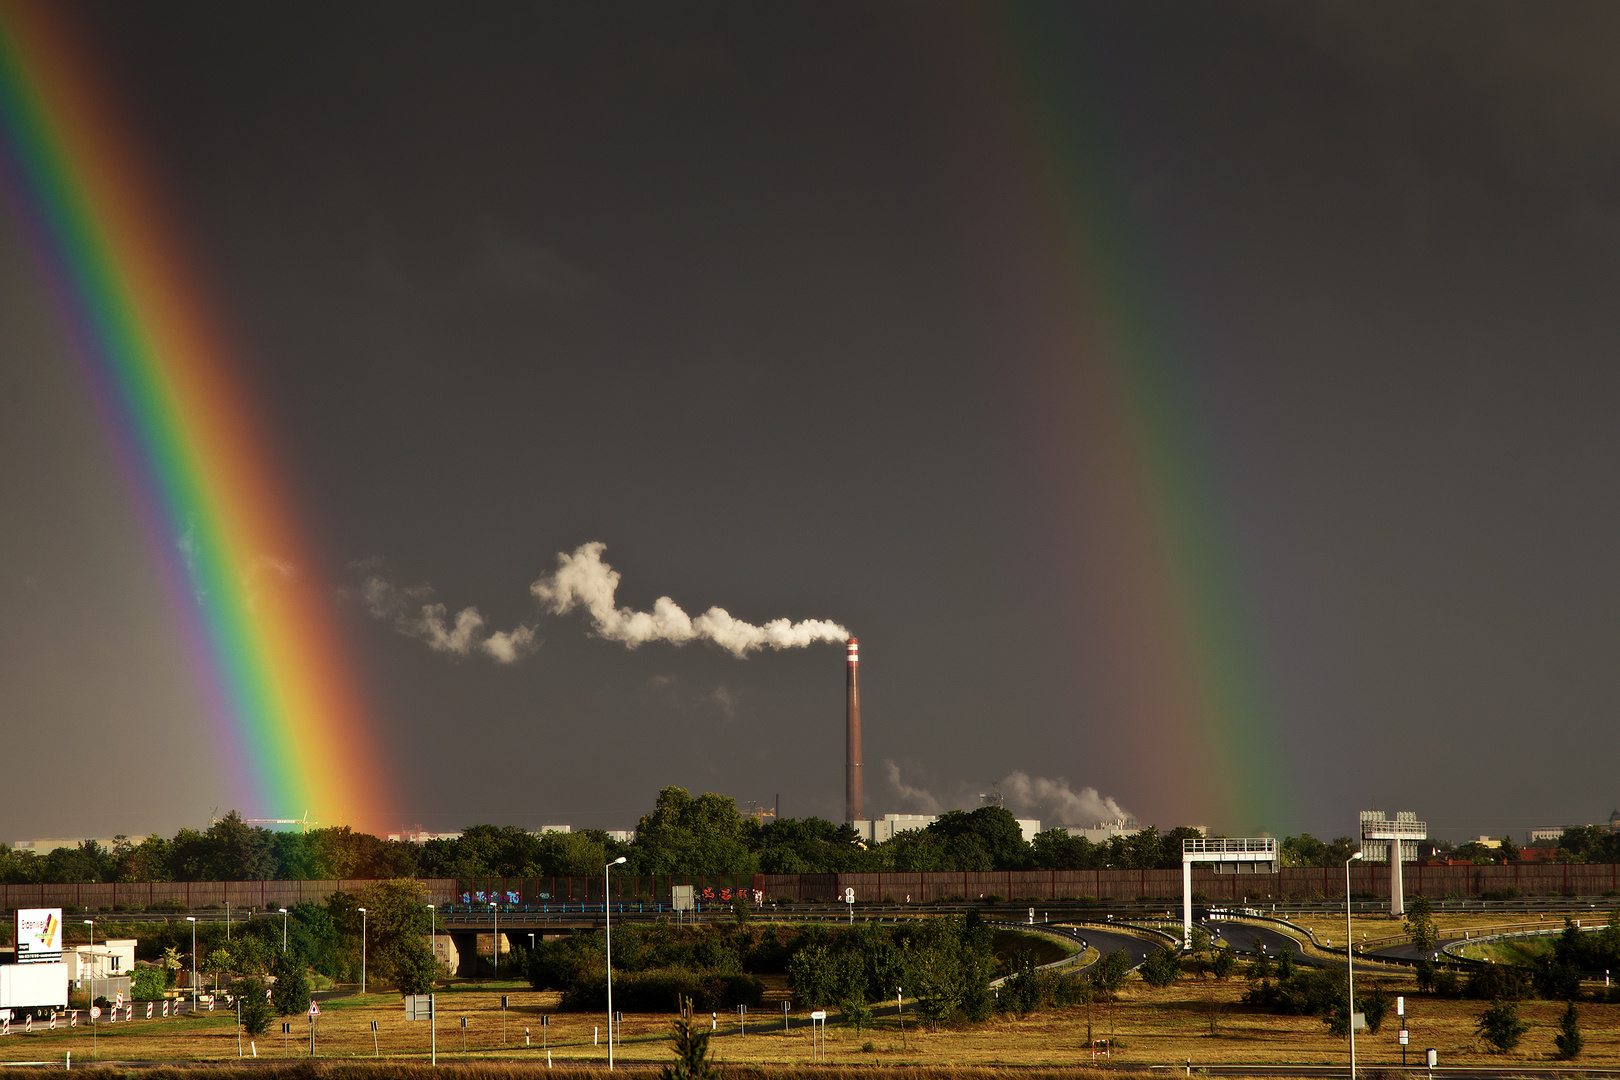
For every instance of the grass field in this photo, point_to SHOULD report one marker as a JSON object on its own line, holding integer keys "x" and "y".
{"x": 1198, "y": 1022}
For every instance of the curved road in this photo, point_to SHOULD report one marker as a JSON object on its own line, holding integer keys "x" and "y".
{"x": 1242, "y": 936}
{"x": 1110, "y": 941}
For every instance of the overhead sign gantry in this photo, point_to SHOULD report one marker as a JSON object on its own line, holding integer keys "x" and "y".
{"x": 1229, "y": 855}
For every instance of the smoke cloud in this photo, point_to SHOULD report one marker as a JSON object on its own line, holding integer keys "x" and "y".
{"x": 1056, "y": 803}
{"x": 1052, "y": 801}
{"x": 583, "y": 580}
{"x": 412, "y": 613}
{"x": 915, "y": 798}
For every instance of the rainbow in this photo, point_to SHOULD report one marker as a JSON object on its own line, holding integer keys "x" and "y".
{"x": 1165, "y": 611}
{"x": 242, "y": 580}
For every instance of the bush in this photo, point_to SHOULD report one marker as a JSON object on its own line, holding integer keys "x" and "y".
{"x": 692, "y": 1060}
{"x": 662, "y": 989}
{"x": 256, "y": 1010}
{"x": 148, "y": 983}
{"x": 1498, "y": 982}
{"x": 1108, "y": 974}
{"x": 291, "y": 995}
{"x": 1161, "y": 968}
{"x": 1568, "y": 1040}
{"x": 1500, "y": 1026}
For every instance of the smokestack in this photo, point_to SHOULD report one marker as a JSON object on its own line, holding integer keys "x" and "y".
{"x": 854, "y": 807}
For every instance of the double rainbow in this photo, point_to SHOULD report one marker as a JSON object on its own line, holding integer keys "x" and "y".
{"x": 244, "y": 586}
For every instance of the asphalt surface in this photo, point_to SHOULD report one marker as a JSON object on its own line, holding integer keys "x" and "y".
{"x": 1242, "y": 936}
{"x": 1109, "y": 941}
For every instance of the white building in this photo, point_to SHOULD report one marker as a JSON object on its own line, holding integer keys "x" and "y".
{"x": 47, "y": 845}
{"x": 1102, "y": 831}
{"x": 891, "y": 825}
{"x": 109, "y": 960}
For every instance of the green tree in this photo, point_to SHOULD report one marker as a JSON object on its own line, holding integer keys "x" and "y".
{"x": 256, "y": 1010}
{"x": 691, "y": 1047}
{"x": 1108, "y": 974}
{"x": 414, "y": 967}
{"x": 395, "y": 924}
{"x": 1224, "y": 963}
{"x": 1569, "y": 1040}
{"x": 684, "y": 835}
{"x": 1500, "y": 1026}
{"x": 1161, "y": 968}
{"x": 1375, "y": 1006}
{"x": 1420, "y": 928}
{"x": 291, "y": 994}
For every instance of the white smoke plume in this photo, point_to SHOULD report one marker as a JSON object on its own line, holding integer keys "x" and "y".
{"x": 1056, "y": 803}
{"x": 1053, "y": 802}
{"x": 915, "y": 798}
{"x": 583, "y": 580}
{"x": 411, "y": 613}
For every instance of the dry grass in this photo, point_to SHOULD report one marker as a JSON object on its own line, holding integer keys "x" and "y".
{"x": 1165, "y": 1027}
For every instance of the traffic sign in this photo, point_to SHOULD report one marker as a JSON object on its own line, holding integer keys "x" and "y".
{"x": 314, "y": 1009}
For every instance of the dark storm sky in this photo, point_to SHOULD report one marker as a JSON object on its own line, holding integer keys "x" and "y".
{"x": 711, "y": 285}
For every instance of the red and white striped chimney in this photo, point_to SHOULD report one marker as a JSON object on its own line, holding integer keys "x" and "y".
{"x": 854, "y": 805}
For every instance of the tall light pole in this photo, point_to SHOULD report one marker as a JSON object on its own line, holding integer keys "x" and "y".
{"x": 192, "y": 919}
{"x": 495, "y": 909}
{"x": 362, "y": 950}
{"x": 283, "y": 929}
{"x": 607, "y": 914}
{"x": 1349, "y": 963}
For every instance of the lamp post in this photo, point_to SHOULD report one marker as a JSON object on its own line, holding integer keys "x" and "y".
{"x": 91, "y": 923}
{"x": 283, "y": 929}
{"x": 1349, "y": 964}
{"x": 495, "y": 910}
{"x": 362, "y": 950}
{"x": 607, "y": 915}
{"x": 192, "y": 919}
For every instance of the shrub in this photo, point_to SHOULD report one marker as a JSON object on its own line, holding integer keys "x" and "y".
{"x": 1500, "y": 1026}
{"x": 692, "y": 1060}
{"x": 147, "y": 983}
{"x": 1498, "y": 982}
{"x": 291, "y": 994}
{"x": 1568, "y": 1040}
{"x": 1445, "y": 983}
{"x": 1161, "y": 968}
{"x": 256, "y": 1010}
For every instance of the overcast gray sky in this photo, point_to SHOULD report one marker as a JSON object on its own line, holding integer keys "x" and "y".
{"x": 761, "y": 299}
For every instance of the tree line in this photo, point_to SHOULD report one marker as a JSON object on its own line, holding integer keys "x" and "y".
{"x": 682, "y": 834}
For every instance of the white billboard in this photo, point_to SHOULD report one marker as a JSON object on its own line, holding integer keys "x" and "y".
{"x": 39, "y": 935}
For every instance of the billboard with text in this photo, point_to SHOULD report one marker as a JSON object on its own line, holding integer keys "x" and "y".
{"x": 39, "y": 935}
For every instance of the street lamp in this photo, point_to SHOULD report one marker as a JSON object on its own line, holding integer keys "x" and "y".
{"x": 362, "y": 950}
{"x": 607, "y": 914}
{"x": 1349, "y": 962}
{"x": 283, "y": 929}
{"x": 495, "y": 909}
{"x": 192, "y": 919}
